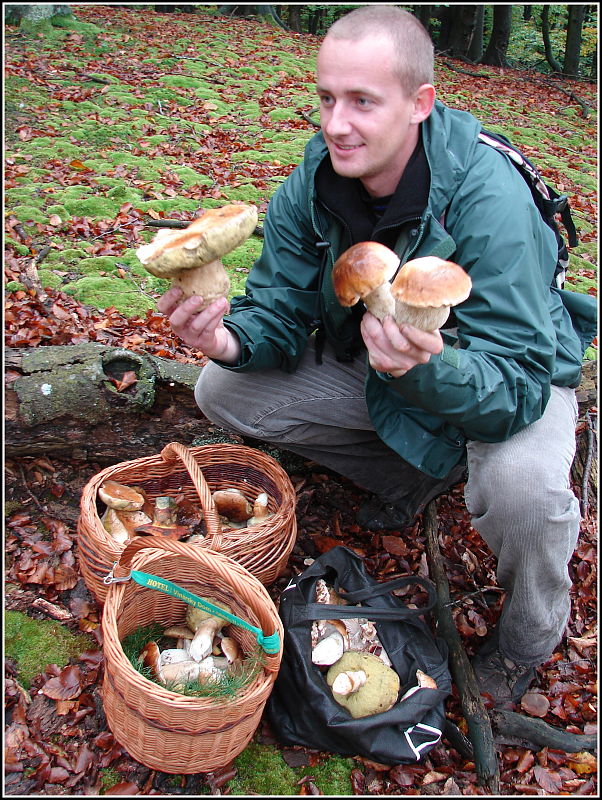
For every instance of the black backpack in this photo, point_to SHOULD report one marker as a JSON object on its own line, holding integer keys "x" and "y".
{"x": 547, "y": 199}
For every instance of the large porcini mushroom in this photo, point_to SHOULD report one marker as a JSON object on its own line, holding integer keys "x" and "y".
{"x": 363, "y": 272}
{"x": 425, "y": 289}
{"x": 191, "y": 258}
{"x": 232, "y": 503}
{"x": 124, "y": 510}
{"x": 332, "y": 642}
{"x": 205, "y": 626}
{"x": 377, "y": 693}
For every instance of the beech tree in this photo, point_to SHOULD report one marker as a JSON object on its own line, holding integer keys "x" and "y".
{"x": 495, "y": 55}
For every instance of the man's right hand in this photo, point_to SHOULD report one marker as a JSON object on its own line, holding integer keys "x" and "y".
{"x": 202, "y": 330}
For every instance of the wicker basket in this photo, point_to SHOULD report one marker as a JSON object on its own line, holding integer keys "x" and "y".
{"x": 262, "y": 549}
{"x": 164, "y": 730}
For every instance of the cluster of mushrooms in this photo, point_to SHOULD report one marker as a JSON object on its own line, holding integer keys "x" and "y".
{"x": 202, "y": 653}
{"x": 129, "y": 512}
{"x": 421, "y": 293}
{"x": 358, "y": 669}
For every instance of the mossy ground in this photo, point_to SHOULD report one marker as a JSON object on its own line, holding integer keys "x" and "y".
{"x": 214, "y": 119}
{"x": 34, "y": 644}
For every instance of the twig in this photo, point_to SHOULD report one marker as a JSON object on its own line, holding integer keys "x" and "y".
{"x": 113, "y": 230}
{"x": 464, "y": 71}
{"x": 475, "y": 714}
{"x": 308, "y": 118}
{"x": 27, "y": 489}
{"x": 587, "y": 467}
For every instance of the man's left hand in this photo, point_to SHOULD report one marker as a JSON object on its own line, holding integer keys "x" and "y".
{"x": 394, "y": 349}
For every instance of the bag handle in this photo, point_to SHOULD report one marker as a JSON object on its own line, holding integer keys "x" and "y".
{"x": 174, "y": 451}
{"x": 332, "y": 611}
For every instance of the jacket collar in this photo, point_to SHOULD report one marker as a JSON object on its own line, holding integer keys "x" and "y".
{"x": 348, "y": 200}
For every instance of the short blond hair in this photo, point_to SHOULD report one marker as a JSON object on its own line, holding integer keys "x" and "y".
{"x": 412, "y": 43}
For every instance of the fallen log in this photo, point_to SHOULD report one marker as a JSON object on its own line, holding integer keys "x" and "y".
{"x": 73, "y": 402}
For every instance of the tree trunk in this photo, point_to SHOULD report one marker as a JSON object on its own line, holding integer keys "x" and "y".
{"x": 475, "y": 51}
{"x": 462, "y": 30}
{"x": 545, "y": 34}
{"x": 64, "y": 402}
{"x": 32, "y": 13}
{"x": 572, "y": 50}
{"x": 527, "y": 13}
{"x": 495, "y": 55}
{"x": 294, "y": 18}
{"x": 423, "y": 13}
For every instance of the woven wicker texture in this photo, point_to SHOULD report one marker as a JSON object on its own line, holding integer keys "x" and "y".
{"x": 162, "y": 729}
{"x": 196, "y": 472}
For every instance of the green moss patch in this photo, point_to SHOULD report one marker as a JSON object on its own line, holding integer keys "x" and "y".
{"x": 103, "y": 292}
{"x": 34, "y": 644}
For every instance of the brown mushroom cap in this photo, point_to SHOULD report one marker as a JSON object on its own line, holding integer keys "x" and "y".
{"x": 119, "y": 496}
{"x": 361, "y": 269}
{"x": 431, "y": 282}
{"x": 205, "y": 240}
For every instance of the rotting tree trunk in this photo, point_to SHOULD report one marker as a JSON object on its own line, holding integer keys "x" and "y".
{"x": 63, "y": 402}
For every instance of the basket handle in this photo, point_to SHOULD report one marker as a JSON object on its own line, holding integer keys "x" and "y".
{"x": 230, "y": 572}
{"x": 173, "y": 451}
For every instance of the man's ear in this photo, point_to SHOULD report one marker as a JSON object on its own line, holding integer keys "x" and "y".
{"x": 424, "y": 100}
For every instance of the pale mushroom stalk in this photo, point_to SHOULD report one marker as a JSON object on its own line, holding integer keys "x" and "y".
{"x": 191, "y": 258}
{"x": 205, "y": 626}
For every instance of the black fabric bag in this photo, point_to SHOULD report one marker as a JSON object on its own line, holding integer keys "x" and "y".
{"x": 301, "y": 708}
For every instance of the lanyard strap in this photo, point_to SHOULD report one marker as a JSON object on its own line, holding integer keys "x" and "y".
{"x": 270, "y": 643}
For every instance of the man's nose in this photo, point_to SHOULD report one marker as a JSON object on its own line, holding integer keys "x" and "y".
{"x": 335, "y": 121}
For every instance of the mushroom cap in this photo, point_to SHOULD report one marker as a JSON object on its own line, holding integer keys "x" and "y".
{"x": 196, "y": 616}
{"x": 232, "y": 503}
{"x": 360, "y": 269}
{"x": 431, "y": 282}
{"x": 378, "y": 693}
{"x": 120, "y": 497}
{"x": 205, "y": 240}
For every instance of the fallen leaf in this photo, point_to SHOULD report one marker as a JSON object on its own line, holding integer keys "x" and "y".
{"x": 65, "y": 686}
{"x": 583, "y": 762}
{"x": 535, "y": 704}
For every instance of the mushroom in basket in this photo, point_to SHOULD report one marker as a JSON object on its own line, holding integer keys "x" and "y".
{"x": 191, "y": 258}
{"x": 123, "y": 512}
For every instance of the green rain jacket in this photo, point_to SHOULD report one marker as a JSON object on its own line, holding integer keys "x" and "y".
{"x": 516, "y": 333}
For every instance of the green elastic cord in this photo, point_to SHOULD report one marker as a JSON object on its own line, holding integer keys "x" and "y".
{"x": 270, "y": 643}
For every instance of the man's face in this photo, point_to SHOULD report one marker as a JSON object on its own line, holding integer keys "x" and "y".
{"x": 368, "y": 121}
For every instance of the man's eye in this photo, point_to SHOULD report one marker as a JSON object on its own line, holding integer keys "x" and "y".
{"x": 363, "y": 101}
{"x": 325, "y": 99}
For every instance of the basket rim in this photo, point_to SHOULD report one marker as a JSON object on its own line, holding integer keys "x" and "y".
{"x": 90, "y": 518}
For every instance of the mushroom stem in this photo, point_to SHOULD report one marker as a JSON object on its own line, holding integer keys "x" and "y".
{"x": 208, "y": 282}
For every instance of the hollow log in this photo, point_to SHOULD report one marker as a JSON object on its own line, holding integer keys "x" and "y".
{"x": 73, "y": 402}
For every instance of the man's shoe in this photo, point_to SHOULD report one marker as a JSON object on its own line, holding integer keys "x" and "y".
{"x": 377, "y": 515}
{"x": 503, "y": 680}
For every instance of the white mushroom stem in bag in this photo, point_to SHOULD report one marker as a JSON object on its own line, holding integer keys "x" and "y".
{"x": 348, "y": 682}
